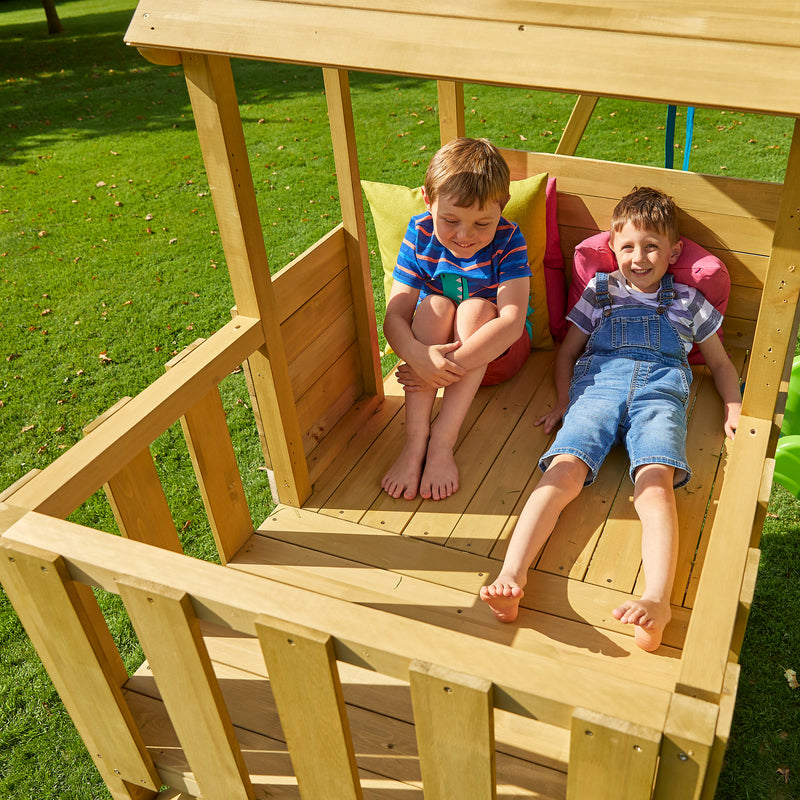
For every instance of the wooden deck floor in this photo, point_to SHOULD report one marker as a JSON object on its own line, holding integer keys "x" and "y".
{"x": 427, "y": 560}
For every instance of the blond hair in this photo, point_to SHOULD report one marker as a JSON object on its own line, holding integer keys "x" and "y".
{"x": 647, "y": 209}
{"x": 466, "y": 170}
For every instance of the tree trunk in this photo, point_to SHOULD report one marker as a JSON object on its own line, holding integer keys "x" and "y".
{"x": 53, "y": 22}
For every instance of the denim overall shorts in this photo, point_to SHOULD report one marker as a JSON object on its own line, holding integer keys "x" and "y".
{"x": 631, "y": 386}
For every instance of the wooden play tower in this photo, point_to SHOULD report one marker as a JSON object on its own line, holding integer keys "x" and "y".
{"x": 340, "y": 650}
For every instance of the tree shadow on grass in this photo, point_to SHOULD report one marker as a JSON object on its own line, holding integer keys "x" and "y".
{"x": 87, "y": 83}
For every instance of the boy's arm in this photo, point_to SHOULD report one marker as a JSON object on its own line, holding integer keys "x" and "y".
{"x": 497, "y": 335}
{"x": 567, "y": 354}
{"x": 726, "y": 379}
{"x": 429, "y": 362}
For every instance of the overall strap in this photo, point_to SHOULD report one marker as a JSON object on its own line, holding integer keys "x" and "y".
{"x": 601, "y": 293}
{"x": 666, "y": 294}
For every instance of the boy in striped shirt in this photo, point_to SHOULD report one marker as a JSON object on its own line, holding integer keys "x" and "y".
{"x": 457, "y": 311}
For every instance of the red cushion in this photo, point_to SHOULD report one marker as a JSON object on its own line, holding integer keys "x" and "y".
{"x": 554, "y": 278}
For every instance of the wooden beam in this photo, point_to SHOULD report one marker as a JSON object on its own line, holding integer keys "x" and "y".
{"x": 219, "y": 128}
{"x": 576, "y": 125}
{"x": 137, "y": 497}
{"x": 77, "y": 474}
{"x": 610, "y": 759}
{"x": 724, "y": 59}
{"x": 525, "y": 683}
{"x": 711, "y": 628}
{"x": 209, "y": 441}
{"x": 689, "y": 736}
{"x": 451, "y": 110}
{"x": 345, "y": 156}
{"x": 80, "y": 657}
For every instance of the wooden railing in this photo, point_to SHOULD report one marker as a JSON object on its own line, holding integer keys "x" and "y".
{"x": 622, "y": 735}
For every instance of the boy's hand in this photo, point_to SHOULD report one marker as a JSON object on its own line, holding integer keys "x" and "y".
{"x": 552, "y": 418}
{"x": 732, "y": 412}
{"x": 433, "y": 370}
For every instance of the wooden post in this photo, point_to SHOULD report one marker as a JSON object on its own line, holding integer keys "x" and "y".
{"x": 209, "y": 441}
{"x": 774, "y": 340}
{"x": 454, "y": 721}
{"x": 170, "y": 635}
{"x": 345, "y": 156}
{"x": 610, "y": 759}
{"x": 712, "y": 625}
{"x": 77, "y": 651}
{"x": 689, "y": 735}
{"x": 451, "y": 110}
{"x": 576, "y": 125}
{"x": 302, "y": 670}
{"x": 219, "y": 128}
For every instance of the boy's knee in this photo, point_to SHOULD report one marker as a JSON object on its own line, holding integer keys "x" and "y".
{"x": 434, "y": 317}
{"x": 568, "y": 472}
{"x": 475, "y": 312}
{"x": 437, "y": 304}
{"x": 654, "y": 482}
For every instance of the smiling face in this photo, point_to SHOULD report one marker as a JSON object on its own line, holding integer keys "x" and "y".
{"x": 463, "y": 230}
{"x": 643, "y": 255}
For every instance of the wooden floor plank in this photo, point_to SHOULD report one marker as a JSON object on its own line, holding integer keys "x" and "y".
{"x": 386, "y": 748}
{"x": 467, "y": 572}
{"x": 608, "y": 650}
{"x": 436, "y": 519}
{"x": 617, "y": 559}
{"x": 338, "y": 471}
{"x": 496, "y": 499}
{"x": 387, "y": 513}
{"x": 371, "y": 691}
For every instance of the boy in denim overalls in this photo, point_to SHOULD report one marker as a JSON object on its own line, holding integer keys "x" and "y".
{"x": 622, "y": 376}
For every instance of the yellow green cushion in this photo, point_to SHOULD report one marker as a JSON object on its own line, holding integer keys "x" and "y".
{"x": 392, "y": 206}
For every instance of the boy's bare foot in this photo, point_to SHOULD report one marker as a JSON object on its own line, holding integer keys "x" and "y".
{"x": 503, "y": 597}
{"x": 650, "y": 618}
{"x": 403, "y": 476}
{"x": 440, "y": 477}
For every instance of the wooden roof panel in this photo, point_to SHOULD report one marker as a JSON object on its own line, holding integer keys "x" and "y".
{"x": 703, "y": 54}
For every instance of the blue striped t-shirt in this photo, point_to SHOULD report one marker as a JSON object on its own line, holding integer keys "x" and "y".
{"x": 423, "y": 259}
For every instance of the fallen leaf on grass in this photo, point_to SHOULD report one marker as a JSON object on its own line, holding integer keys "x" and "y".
{"x": 28, "y": 428}
{"x": 791, "y": 677}
{"x": 104, "y": 359}
{"x": 784, "y": 773}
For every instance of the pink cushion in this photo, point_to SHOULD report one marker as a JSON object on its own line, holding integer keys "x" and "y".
{"x": 695, "y": 267}
{"x": 554, "y": 278}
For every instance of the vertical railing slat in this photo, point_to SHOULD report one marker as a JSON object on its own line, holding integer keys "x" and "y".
{"x": 137, "y": 497}
{"x": 610, "y": 759}
{"x": 454, "y": 720}
{"x": 301, "y": 664}
{"x": 170, "y": 635}
{"x": 209, "y": 441}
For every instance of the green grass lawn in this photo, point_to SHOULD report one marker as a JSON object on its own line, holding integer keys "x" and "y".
{"x": 110, "y": 263}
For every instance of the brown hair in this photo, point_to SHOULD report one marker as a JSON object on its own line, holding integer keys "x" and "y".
{"x": 647, "y": 209}
{"x": 467, "y": 170}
